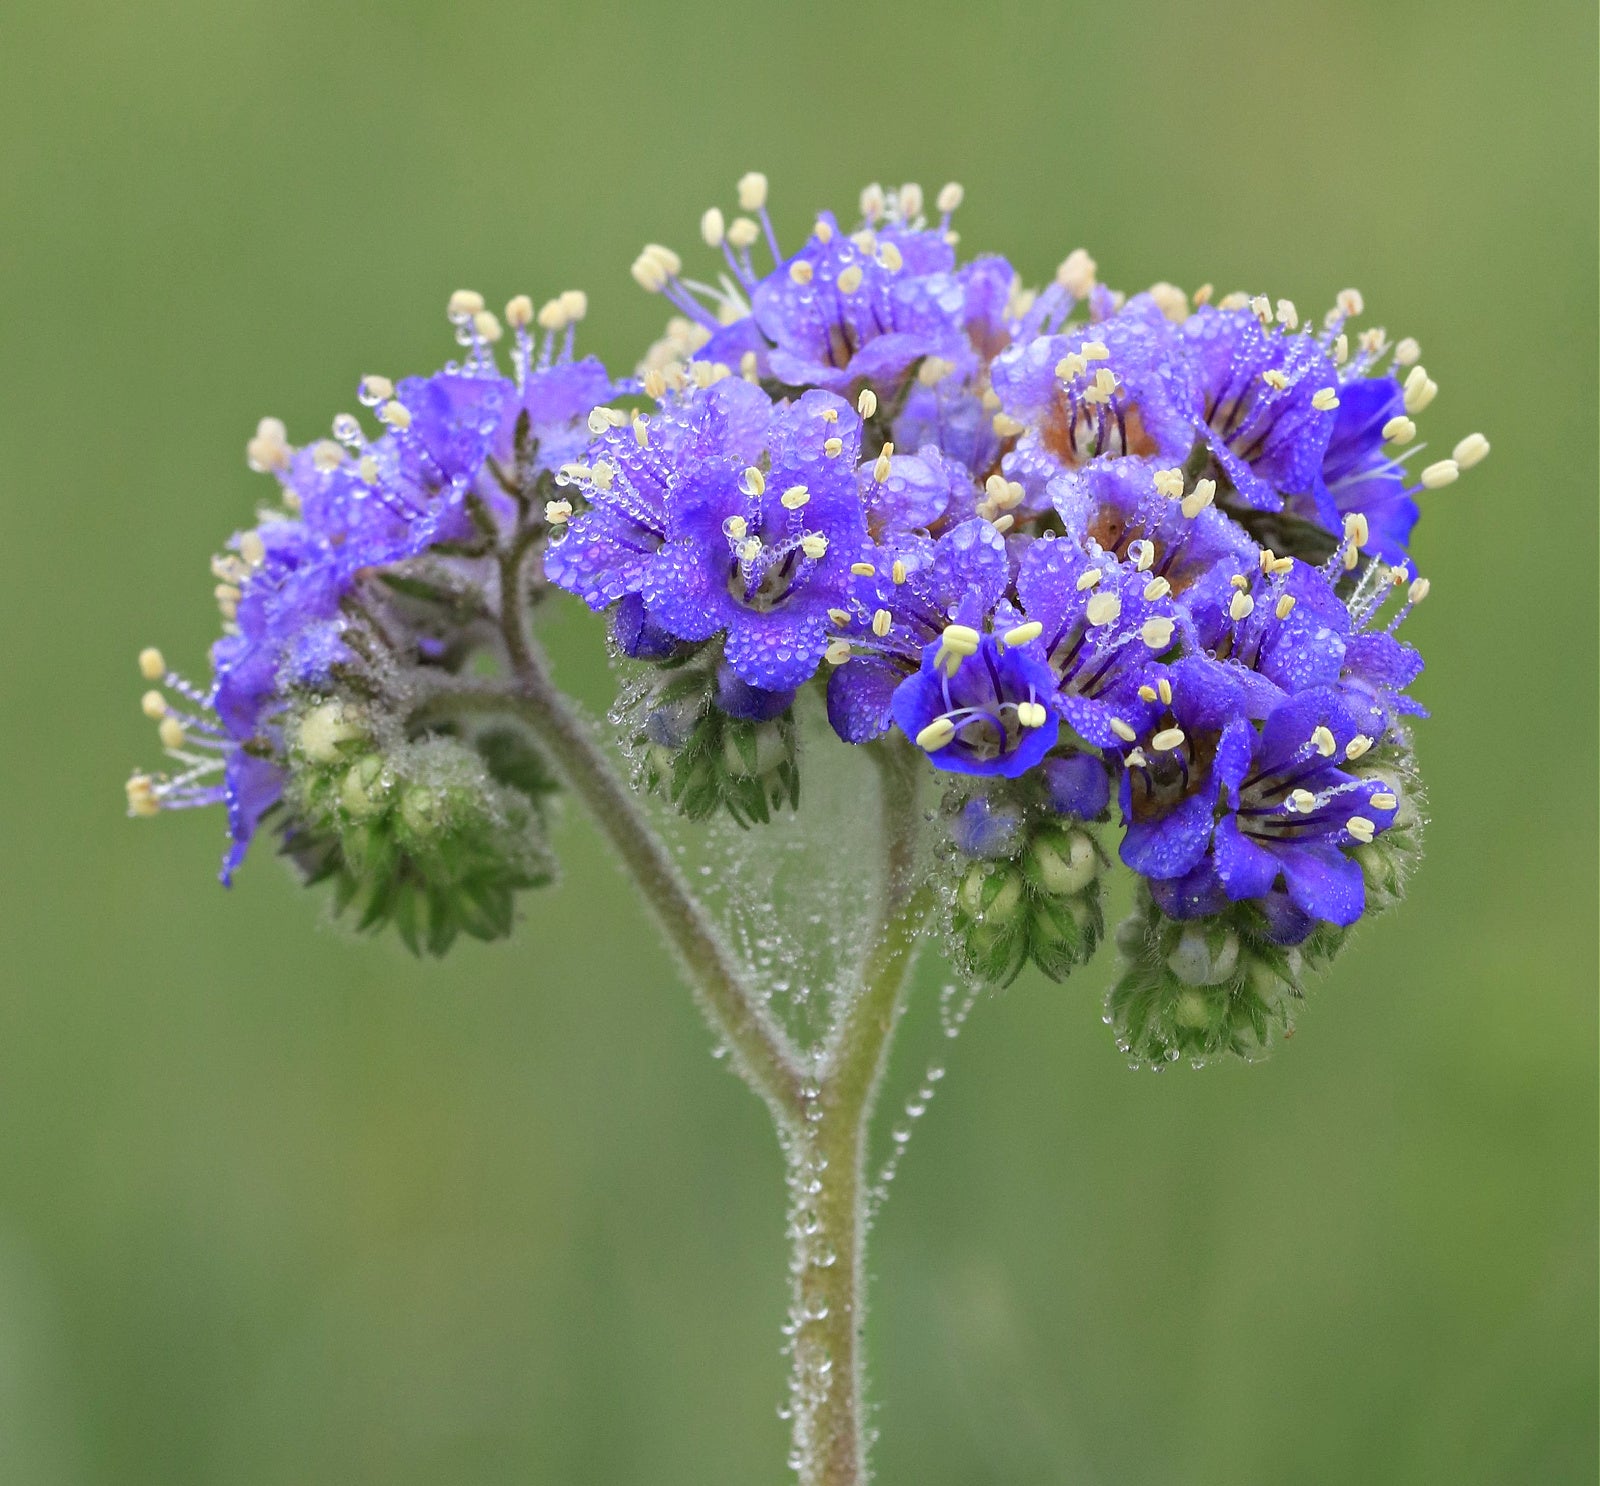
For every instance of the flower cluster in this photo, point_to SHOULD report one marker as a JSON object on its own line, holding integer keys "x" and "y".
{"x": 1087, "y": 552}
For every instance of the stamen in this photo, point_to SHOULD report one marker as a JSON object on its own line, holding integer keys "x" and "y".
{"x": 1399, "y": 430}
{"x": 752, "y": 190}
{"x": 897, "y": 574}
{"x": 1323, "y": 741}
{"x": 1357, "y": 746}
{"x": 794, "y": 497}
{"x": 951, "y": 197}
{"x": 1385, "y": 801}
{"x": 863, "y": 569}
{"x": 814, "y": 545}
{"x": 837, "y": 653}
{"x": 1031, "y": 715}
{"x": 936, "y": 735}
{"x": 1122, "y": 730}
{"x": 881, "y": 620}
{"x": 1421, "y": 389}
{"x": 1204, "y": 492}
{"x": 1284, "y": 607}
{"x": 1473, "y": 449}
{"x": 1167, "y": 739}
{"x": 1164, "y": 691}
{"x": 1088, "y": 580}
{"x": 1156, "y": 588}
{"x": 1023, "y": 634}
{"x": 800, "y": 271}
{"x": 1170, "y": 483}
{"x": 1445, "y": 472}
{"x": 1102, "y": 609}
{"x": 1240, "y": 606}
{"x": 153, "y": 705}
{"x": 1157, "y": 633}
{"x": 1406, "y": 352}
{"x": 1076, "y": 273}
{"x": 850, "y": 280}
{"x": 867, "y": 402}
{"x": 1326, "y": 400}
{"x": 1361, "y": 828}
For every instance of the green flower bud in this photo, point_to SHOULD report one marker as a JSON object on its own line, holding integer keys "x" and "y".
{"x": 1061, "y": 862}
{"x": 324, "y": 732}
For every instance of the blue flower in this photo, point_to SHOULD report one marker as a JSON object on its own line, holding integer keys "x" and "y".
{"x": 900, "y": 602}
{"x": 978, "y": 711}
{"x": 1224, "y": 815}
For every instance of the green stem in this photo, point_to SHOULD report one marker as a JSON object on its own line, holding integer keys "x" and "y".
{"x": 829, "y": 1164}
{"x": 761, "y": 1050}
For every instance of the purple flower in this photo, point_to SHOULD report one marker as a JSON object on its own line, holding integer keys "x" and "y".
{"x": 900, "y": 602}
{"x": 760, "y": 556}
{"x": 1286, "y": 812}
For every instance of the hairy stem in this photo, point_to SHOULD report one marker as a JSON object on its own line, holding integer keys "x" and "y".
{"x": 761, "y": 1050}
{"x": 830, "y": 1176}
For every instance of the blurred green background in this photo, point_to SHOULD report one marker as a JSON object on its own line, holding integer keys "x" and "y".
{"x": 277, "y": 1206}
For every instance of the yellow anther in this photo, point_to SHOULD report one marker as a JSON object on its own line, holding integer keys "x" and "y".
{"x": 1239, "y": 581}
{"x": 1004, "y": 523}
{"x": 863, "y": 569}
{"x": 1421, "y": 390}
{"x": 833, "y": 447}
{"x": 1031, "y": 715}
{"x": 736, "y": 527}
{"x": 1023, "y": 634}
{"x": 872, "y": 202}
{"x": 1156, "y": 588}
{"x": 1204, "y": 492}
{"x": 742, "y": 233}
{"x": 1384, "y": 800}
{"x": 648, "y": 274}
{"x": 395, "y": 414}
{"x": 752, "y": 190}
{"x": 152, "y": 664}
{"x": 1164, "y": 691}
{"x": 889, "y": 256}
{"x": 464, "y": 304}
{"x": 1171, "y": 301}
{"x": 142, "y": 798}
{"x": 552, "y": 315}
{"x": 794, "y": 497}
{"x": 1322, "y": 740}
{"x": 1095, "y": 351}
{"x": 641, "y": 431}
{"x": 800, "y": 271}
{"x": 828, "y": 415}
{"x": 840, "y": 617}
{"x": 1419, "y": 590}
{"x": 1350, "y": 301}
{"x": 1407, "y": 351}
{"x": 950, "y": 197}
{"x": 519, "y": 312}
{"x": 1284, "y": 607}
{"x": 1135, "y": 758}
{"x": 1007, "y": 426}
{"x": 1356, "y": 530}
{"x": 936, "y": 735}
{"x": 837, "y": 653}
{"x": 1169, "y": 483}
{"x": 1145, "y": 558}
{"x": 557, "y": 512}
{"x": 1361, "y": 828}
{"x": 1341, "y": 349}
{"x": 1122, "y": 730}
{"x": 815, "y": 545}
{"x": 1473, "y": 449}
{"x": 1147, "y": 693}
{"x": 1399, "y": 430}
{"x": 487, "y": 324}
{"x": 1167, "y": 739}
{"x": 750, "y": 550}
{"x": 897, "y": 574}
{"x": 867, "y": 402}
{"x": 909, "y": 198}
{"x": 1241, "y": 606}
{"x": 1076, "y": 274}
{"x": 1088, "y": 579}
{"x": 1071, "y": 366}
{"x": 171, "y": 733}
{"x": 375, "y": 389}
{"x": 934, "y": 369}
{"x": 1325, "y": 400}
{"x": 1288, "y": 316}
{"x": 752, "y": 482}
{"x": 1300, "y": 802}
{"x": 712, "y": 227}
{"x": 1202, "y": 295}
{"x": 1444, "y": 472}
{"x": 1357, "y": 746}
{"x": 1275, "y": 379}
{"x": 1102, "y": 609}
{"x": 882, "y": 466}
{"x": 961, "y": 637}
{"x": 882, "y": 619}
{"x": 153, "y": 705}
{"x": 1261, "y": 308}
{"x": 1157, "y": 633}
{"x": 850, "y": 280}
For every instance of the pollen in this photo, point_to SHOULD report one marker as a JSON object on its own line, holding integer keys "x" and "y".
{"x": 1288, "y": 316}
{"x": 395, "y": 414}
{"x": 833, "y": 448}
{"x": 712, "y": 227}
{"x": 1275, "y": 379}
{"x": 863, "y": 569}
{"x": 1419, "y": 590}
{"x": 1147, "y": 693}
{"x": 1007, "y": 426}
{"x": 910, "y": 200}
{"x": 1170, "y": 300}
{"x": 850, "y": 280}
{"x": 487, "y": 324}
{"x": 153, "y": 705}
{"x": 558, "y": 512}
{"x": 743, "y": 233}
{"x": 889, "y": 256}
{"x": 1300, "y": 802}
{"x": 752, "y": 482}
{"x": 882, "y": 466}
{"x": 837, "y": 653}
{"x": 1167, "y": 739}
{"x": 897, "y": 574}
{"x": 171, "y": 733}
{"x": 1170, "y": 483}
{"x": 752, "y": 191}
{"x": 1204, "y": 492}
{"x": 1164, "y": 691}
{"x": 1384, "y": 800}
{"x": 950, "y": 197}
{"x": 519, "y": 312}
{"x": 1407, "y": 352}
{"x": 142, "y": 798}
{"x": 464, "y": 304}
